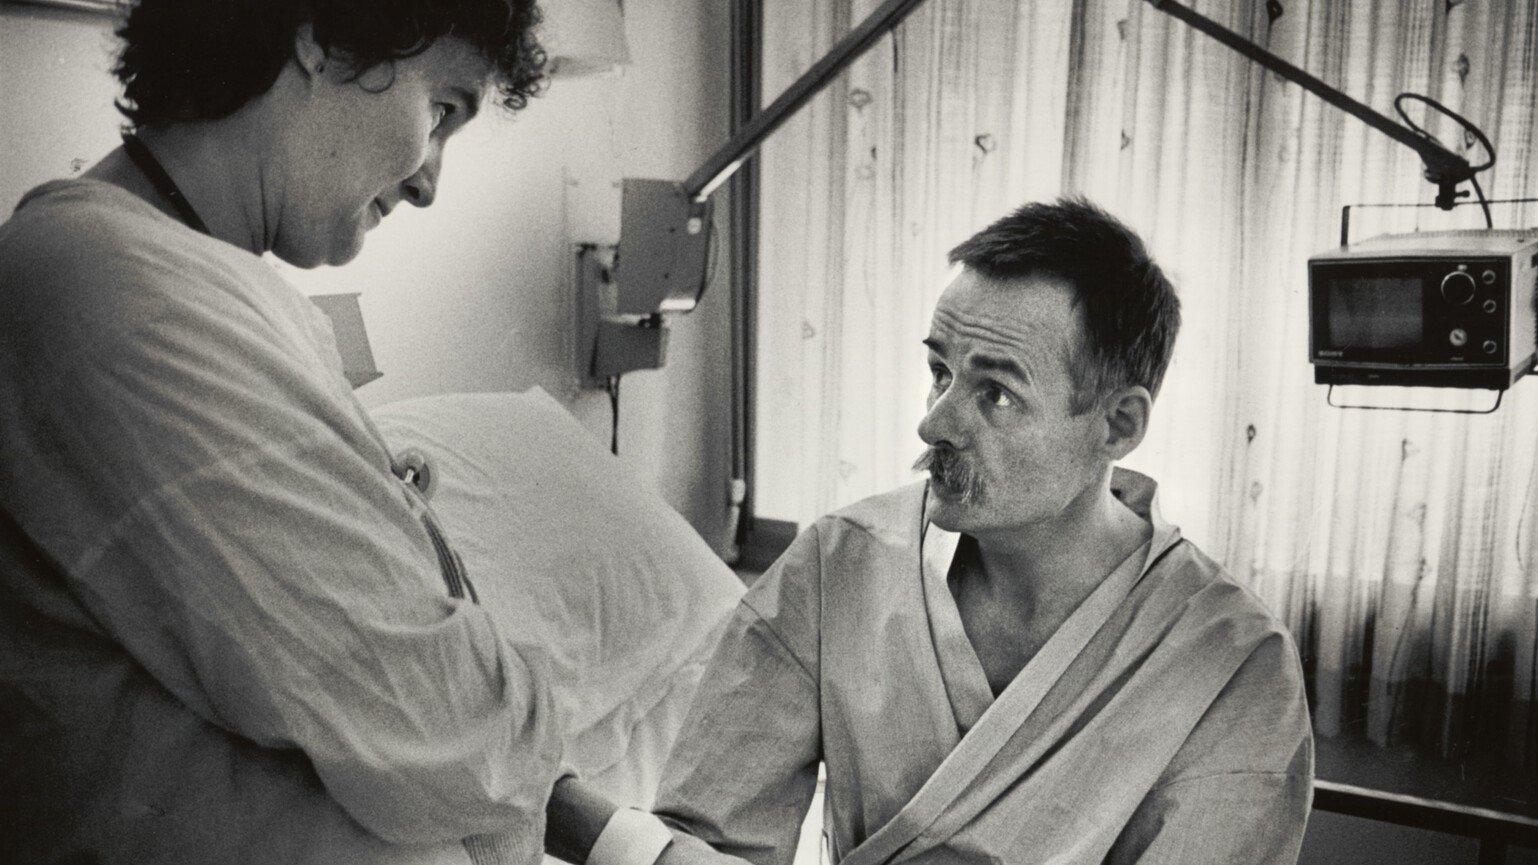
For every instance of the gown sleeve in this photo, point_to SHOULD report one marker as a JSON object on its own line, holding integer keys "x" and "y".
{"x": 1240, "y": 788}
{"x": 744, "y": 769}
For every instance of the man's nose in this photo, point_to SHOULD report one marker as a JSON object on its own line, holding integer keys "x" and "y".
{"x": 942, "y": 424}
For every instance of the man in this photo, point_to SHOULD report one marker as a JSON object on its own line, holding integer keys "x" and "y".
{"x": 1018, "y": 661}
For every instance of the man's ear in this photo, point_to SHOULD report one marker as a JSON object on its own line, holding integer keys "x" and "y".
{"x": 308, "y": 53}
{"x": 1127, "y": 410}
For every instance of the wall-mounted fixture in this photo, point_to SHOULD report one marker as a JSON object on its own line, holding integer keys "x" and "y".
{"x": 622, "y": 293}
{"x": 615, "y": 334}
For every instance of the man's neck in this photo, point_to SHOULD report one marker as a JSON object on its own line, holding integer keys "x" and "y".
{"x": 1058, "y": 562}
{"x": 216, "y": 168}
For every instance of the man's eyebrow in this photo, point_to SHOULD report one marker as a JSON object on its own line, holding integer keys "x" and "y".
{"x": 992, "y": 363}
{"x": 934, "y": 345}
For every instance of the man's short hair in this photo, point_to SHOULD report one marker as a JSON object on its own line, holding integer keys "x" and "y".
{"x": 203, "y": 60}
{"x": 1129, "y": 310}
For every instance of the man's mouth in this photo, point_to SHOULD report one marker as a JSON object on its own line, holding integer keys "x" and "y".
{"x": 950, "y": 475}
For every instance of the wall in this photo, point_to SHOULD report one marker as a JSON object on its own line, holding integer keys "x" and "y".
{"x": 474, "y": 293}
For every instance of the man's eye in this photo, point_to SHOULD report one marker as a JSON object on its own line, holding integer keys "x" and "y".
{"x": 998, "y": 396}
{"x": 941, "y": 375}
{"x": 441, "y": 112}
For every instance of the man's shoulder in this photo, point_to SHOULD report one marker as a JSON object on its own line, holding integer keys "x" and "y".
{"x": 1210, "y": 598}
{"x": 881, "y": 512}
{"x": 889, "y": 517}
{"x": 1257, "y": 720}
{"x": 857, "y": 538}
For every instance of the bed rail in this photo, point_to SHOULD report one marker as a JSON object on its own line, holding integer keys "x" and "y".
{"x": 1494, "y": 830}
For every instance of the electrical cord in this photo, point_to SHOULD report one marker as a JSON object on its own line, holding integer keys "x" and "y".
{"x": 714, "y": 255}
{"x": 612, "y": 386}
{"x": 1468, "y": 126}
{"x": 1484, "y": 204}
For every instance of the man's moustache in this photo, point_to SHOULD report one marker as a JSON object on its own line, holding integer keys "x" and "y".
{"x": 951, "y": 472}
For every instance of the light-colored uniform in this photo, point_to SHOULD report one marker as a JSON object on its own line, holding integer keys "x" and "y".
{"x": 224, "y": 631}
{"x": 1164, "y": 722}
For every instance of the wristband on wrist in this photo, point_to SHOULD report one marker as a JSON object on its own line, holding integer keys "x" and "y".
{"x": 630, "y": 837}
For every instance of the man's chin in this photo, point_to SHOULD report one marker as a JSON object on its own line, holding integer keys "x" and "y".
{"x": 947, "y": 513}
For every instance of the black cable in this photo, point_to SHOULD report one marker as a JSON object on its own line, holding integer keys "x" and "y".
{"x": 1483, "y": 204}
{"x": 713, "y": 255}
{"x": 1450, "y": 114}
{"x": 613, "y": 387}
{"x": 1468, "y": 126}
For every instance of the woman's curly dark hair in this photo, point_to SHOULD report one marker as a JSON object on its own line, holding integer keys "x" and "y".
{"x": 204, "y": 59}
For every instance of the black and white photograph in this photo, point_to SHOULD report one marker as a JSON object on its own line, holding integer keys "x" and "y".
{"x": 769, "y": 432}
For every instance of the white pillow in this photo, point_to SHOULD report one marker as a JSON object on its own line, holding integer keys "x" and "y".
{"x": 562, "y": 540}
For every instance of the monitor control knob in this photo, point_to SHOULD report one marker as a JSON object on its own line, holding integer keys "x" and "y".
{"x": 1490, "y": 346}
{"x": 1491, "y": 306}
{"x": 1459, "y": 337}
{"x": 1458, "y": 287}
{"x": 1488, "y": 277}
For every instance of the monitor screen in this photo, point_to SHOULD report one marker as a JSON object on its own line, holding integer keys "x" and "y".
{"x": 1376, "y": 313}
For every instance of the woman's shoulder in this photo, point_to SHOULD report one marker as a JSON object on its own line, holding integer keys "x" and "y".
{"x": 88, "y": 207}
{"x": 66, "y": 229}
{"x": 87, "y": 249}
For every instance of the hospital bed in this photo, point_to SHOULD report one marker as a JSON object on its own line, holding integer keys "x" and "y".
{"x": 566, "y": 543}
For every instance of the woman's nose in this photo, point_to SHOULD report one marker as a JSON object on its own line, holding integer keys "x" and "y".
{"x": 421, "y": 188}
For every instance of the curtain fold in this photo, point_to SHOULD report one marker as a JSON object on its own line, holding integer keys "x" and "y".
{"x": 1398, "y": 547}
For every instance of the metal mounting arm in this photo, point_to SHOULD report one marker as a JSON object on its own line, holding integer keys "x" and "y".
{"x": 722, "y": 164}
{"x": 1443, "y": 167}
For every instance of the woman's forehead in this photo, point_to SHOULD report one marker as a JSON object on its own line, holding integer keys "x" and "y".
{"x": 453, "y": 62}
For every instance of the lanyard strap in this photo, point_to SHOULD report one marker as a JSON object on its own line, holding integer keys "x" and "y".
{"x": 158, "y": 178}
{"x": 455, "y": 575}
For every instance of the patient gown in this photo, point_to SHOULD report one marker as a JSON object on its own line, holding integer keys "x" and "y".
{"x": 1165, "y": 721}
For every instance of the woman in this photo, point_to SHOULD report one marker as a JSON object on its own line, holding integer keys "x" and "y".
{"x": 226, "y": 627}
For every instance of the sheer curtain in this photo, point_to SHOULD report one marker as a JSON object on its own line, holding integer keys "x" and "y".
{"x": 1398, "y": 547}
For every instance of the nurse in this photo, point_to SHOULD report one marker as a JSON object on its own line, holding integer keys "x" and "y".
{"x": 228, "y": 632}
